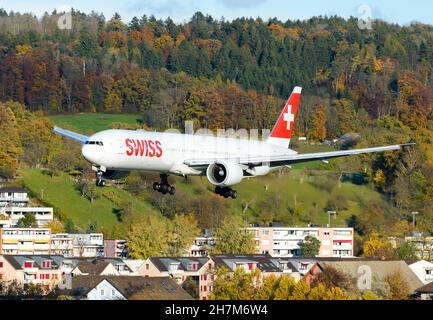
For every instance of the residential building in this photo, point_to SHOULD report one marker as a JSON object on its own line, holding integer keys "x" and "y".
{"x": 202, "y": 244}
{"x": 43, "y": 270}
{"x": 115, "y": 248}
{"x": 62, "y": 244}
{"x": 423, "y": 270}
{"x": 33, "y": 241}
{"x": 425, "y": 292}
{"x": 88, "y": 245}
{"x": 42, "y": 215}
{"x": 423, "y": 245}
{"x": 284, "y": 241}
{"x": 372, "y": 270}
{"x": 126, "y": 288}
{"x": 95, "y": 267}
{"x": 180, "y": 269}
{"x": 13, "y": 196}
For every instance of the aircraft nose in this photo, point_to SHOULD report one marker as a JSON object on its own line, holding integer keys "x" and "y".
{"x": 90, "y": 153}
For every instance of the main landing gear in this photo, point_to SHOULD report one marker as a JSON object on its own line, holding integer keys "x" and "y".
{"x": 226, "y": 192}
{"x": 99, "y": 181}
{"x": 163, "y": 186}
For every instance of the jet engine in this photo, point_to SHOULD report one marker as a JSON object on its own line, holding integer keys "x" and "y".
{"x": 114, "y": 174}
{"x": 224, "y": 174}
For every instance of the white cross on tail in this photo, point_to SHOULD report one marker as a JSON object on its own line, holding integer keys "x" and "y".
{"x": 289, "y": 117}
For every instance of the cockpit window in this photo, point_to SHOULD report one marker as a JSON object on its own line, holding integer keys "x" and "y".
{"x": 99, "y": 143}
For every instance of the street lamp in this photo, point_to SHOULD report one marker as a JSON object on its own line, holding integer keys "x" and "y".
{"x": 329, "y": 217}
{"x": 414, "y": 213}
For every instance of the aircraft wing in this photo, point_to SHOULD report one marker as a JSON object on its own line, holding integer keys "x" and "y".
{"x": 280, "y": 160}
{"x": 81, "y": 138}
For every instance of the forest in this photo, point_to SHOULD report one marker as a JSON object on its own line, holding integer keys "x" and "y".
{"x": 376, "y": 85}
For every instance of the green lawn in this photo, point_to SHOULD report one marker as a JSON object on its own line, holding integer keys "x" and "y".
{"x": 93, "y": 122}
{"x": 60, "y": 192}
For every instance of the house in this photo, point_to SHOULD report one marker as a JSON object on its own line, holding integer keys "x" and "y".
{"x": 42, "y": 215}
{"x": 425, "y": 292}
{"x": 42, "y": 269}
{"x": 180, "y": 269}
{"x": 250, "y": 262}
{"x": 13, "y": 196}
{"x": 284, "y": 241}
{"x": 96, "y": 267}
{"x": 25, "y": 241}
{"x": 423, "y": 270}
{"x": 115, "y": 248}
{"x": 126, "y": 288}
{"x": 366, "y": 271}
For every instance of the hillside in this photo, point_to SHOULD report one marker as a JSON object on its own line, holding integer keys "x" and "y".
{"x": 93, "y": 122}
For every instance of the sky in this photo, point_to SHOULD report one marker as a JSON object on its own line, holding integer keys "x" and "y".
{"x": 397, "y": 11}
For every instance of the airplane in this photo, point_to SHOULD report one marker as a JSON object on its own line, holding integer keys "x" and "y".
{"x": 225, "y": 161}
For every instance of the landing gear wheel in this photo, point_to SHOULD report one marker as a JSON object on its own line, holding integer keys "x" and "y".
{"x": 172, "y": 191}
{"x": 163, "y": 186}
{"x": 226, "y": 192}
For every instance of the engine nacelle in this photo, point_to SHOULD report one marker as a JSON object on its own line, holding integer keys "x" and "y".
{"x": 224, "y": 174}
{"x": 114, "y": 174}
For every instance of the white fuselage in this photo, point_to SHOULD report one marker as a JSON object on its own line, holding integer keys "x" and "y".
{"x": 127, "y": 150}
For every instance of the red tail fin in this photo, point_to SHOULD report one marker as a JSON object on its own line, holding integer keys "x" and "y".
{"x": 283, "y": 129}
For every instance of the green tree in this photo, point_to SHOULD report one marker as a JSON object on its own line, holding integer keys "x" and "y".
{"x": 310, "y": 246}
{"x": 29, "y": 220}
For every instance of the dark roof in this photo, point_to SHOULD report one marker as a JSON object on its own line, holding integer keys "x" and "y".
{"x": 133, "y": 287}
{"x": 162, "y": 263}
{"x": 17, "y": 261}
{"x": 264, "y": 261}
{"x": 95, "y": 267}
{"x": 428, "y": 288}
{"x": 12, "y": 189}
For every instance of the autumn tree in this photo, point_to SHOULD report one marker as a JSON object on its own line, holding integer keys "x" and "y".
{"x": 317, "y": 126}
{"x": 233, "y": 238}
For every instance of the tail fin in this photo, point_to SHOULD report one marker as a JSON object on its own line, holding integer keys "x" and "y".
{"x": 283, "y": 129}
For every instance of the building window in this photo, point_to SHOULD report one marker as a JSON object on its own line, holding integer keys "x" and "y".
{"x": 102, "y": 292}
{"x": 147, "y": 266}
{"x": 46, "y": 264}
{"x": 205, "y": 288}
{"x": 113, "y": 292}
{"x": 28, "y": 264}
{"x": 250, "y": 266}
{"x": 1, "y": 264}
{"x": 204, "y": 277}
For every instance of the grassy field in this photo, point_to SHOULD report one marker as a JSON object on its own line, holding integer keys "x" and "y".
{"x": 60, "y": 192}
{"x": 93, "y": 122}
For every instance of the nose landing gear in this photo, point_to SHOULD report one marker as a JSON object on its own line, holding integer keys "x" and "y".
{"x": 99, "y": 181}
{"x": 164, "y": 187}
{"x": 226, "y": 192}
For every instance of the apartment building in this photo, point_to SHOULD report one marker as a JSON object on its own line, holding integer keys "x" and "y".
{"x": 284, "y": 241}
{"x": 423, "y": 245}
{"x": 115, "y": 248}
{"x": 88, "y": 245}
{"x": 202, "y": 244}
{"x": 13, "y": 196}
{"x": 62, "y": 244}
{"x": 28, "y": 241}
{"x": 42, "y": 215}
